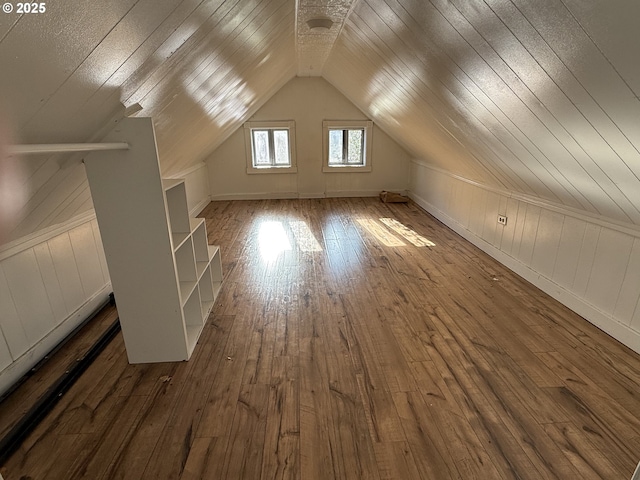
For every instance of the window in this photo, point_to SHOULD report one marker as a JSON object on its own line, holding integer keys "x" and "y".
{"x": 270, "y": 147}
{"x": 347, "y": 146}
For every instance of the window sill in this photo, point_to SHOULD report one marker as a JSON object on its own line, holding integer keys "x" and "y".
{"x": 267, "y": 170}
{"x": 346, "y": 169}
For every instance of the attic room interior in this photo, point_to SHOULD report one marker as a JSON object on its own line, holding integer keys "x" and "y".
{"x": 199, "y": 277}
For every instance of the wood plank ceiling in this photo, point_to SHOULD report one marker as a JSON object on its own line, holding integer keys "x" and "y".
{"x": 539, "y": 98}
{"x": 534, "y": 97}
{"x": 199, "y": 68}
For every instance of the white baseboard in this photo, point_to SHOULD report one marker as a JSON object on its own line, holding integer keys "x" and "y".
{"x": 291, "y": 195}
{"x": 312, "y": 195}
{"x": 195, "y": 211}
{"x": 352, "y": 193}
{"x": 31, "y": 357}
{"x": 603, "y": 321}
{"x": 255, "y": 196}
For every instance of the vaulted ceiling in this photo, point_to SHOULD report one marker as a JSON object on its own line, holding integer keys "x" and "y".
{"x": 538, "y": 97}
{"x": 535, "y": 97}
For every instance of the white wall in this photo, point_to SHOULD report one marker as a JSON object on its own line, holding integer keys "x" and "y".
{"x": 52, "y": 280}
{"x": 49, "y": 283}
{"x": 589, "y": 263}
{"x": 196, "y": 183}
{"x": 307, "y": 101}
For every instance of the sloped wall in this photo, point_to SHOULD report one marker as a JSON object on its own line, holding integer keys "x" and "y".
{"x": 588, "y": 263}
{"x": 198, "y": 68}
{"x": 307, "y": 101}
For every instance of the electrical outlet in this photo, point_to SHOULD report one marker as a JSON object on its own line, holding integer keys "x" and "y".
{"x": 502, "y": 219}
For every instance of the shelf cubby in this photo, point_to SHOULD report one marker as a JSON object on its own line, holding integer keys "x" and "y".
{"x": 200, "y": 245}
{"x": 216, "y": 269}
{"x": 185, "y": 266}
{"x": 207, "y": 293}
{"x": 178, "y": 212}
{"x": 192, "y": 310}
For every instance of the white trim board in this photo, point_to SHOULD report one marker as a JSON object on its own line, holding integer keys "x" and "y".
{"x": 352, "y": 193}
{"x": 187, "y": 171}
{"x": 200, "y": 206}
{"x": 602, "y": 320}
{"x": 293, "y": 195}
{"x": 628, "y": 228}
{"x": 24, "y": 243}
{"x": 255, "y": 196}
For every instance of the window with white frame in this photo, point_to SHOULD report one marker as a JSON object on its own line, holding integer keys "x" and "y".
{"x": 270, "y": 147}
{"x": 347, "y": 146}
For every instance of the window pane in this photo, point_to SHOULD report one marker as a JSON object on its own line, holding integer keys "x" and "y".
{"x": 335, "y": 147}
{"x": 355, "y": 147}
{"x": 281, "y": 145}
{"x": 260, "y": 147}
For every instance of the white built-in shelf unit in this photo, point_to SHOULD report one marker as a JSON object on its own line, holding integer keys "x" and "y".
{"x": 198, "y": 264}
{"x": 164, "y": 275}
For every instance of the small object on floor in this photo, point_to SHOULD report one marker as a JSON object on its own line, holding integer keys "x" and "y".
{"x": 392, "y": 197}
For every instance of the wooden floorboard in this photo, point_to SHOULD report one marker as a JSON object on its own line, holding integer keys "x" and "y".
{"x": 351, "y": 339}
{"x": 13, "y": 407}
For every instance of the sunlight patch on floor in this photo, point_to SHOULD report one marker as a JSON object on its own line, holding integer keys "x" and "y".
{"x": 411, "y": 236}
{"x": 272, "y": 240}
{"x": 382, "y": 234}
{"x": 304, "y": 236}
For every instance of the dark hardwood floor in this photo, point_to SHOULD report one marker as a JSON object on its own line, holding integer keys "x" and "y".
{"x": 352, "y": 339}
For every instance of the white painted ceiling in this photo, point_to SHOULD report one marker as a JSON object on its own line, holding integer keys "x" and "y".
{"x": 534, "y": 97}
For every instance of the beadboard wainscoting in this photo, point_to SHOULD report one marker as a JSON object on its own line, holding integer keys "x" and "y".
{"x": 584, "y": 261}
{"x": 49, "y": 283}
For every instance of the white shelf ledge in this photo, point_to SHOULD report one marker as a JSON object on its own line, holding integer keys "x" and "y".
{"x": 48, "y": 148}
